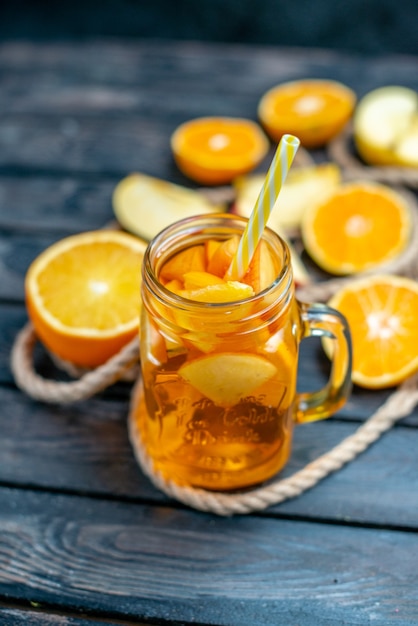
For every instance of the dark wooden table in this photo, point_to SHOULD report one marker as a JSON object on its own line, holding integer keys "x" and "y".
{"x": 84, "y": 537}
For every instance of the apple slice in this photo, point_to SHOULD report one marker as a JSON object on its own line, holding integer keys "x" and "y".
{"x": 386, "y": 127}
{"x": 262, "y": 270}
{"x": 174, "y": 285}
{"x": 211, "y": 245}
{"x": 145, "y": 205}
{"x": 197, "y": 280}
{"x": 300, "y": 273}
{"x": 222, "y": 256}
{"x": 226, "y": 378}
{"x": 303, "y": 185}
{"x": 226, "y": 291}
{"x": 189, "y": 260}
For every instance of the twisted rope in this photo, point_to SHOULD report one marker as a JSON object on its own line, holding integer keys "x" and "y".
{"x": 86, "y": 386}
{"x": 398, "y": 405}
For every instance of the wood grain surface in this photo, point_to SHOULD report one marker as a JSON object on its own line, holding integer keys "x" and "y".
{"x": 84, "y": 536}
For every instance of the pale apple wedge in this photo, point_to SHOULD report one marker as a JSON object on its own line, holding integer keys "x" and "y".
{"x": 226, "y": 291}
{"x": 262, "y": 272}
{"x": 300, "y": 273}
{"x": 199, "y": 280}
{"x": 226, "y": 378}
{"x": 145, "y": 205}
{"x": 263, "y": 269}
{"x": 302, "y": 186}
{"x": 385, "y": 127}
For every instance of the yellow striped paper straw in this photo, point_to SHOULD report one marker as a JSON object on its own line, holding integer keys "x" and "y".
{"x": 285, "y": 153}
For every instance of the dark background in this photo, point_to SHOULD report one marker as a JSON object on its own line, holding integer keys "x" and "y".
{"x": 363, "y": 26}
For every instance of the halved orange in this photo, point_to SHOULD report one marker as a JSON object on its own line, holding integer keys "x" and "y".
{"x": 214, "y": 150}
{"x": 358, "y": 226}
{"x": 312, "y": 109}
{"x": 382, "y": 313}
{"x": 83, "y": 295}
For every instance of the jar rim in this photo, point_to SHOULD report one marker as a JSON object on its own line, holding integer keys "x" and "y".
{"x": 191, "y": 230}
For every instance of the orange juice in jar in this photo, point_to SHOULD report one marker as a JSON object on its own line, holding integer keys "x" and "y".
{"x": 219, "y": 357}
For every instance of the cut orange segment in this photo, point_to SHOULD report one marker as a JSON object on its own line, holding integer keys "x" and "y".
{"x": 83, "y": 295}
{"x": 386, "y": 127}
{"x": 214, "y": 150}
{"x": 359, "y": 226}
{"x": 314, "y": 110}
{"x": 144, "y": 205}
{"x": 226, "y": 378}
{"x": 382, "y": 314}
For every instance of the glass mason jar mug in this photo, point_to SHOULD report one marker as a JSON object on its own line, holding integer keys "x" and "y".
{"x": 218, "y": 401}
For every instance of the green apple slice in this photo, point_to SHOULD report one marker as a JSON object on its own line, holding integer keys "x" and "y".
{"x": 226, "y": 378}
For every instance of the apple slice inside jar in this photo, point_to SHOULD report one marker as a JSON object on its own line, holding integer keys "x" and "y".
{"x": 226, "y": 378}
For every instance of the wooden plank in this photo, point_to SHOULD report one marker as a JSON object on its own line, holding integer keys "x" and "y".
{"x": 85, "y": 449}
{"x": 82, "y": 145}
{"x": 82, "y": 447}
{"x": 158, "y": 563}
{"x": 12, "y": 319}
{"x": 16, "y": 253}
{"x": 156, "y": 64}
{"x": 39, "y": 616}
{"x": 62, "y": 205}
{"x": 82, "y": 126}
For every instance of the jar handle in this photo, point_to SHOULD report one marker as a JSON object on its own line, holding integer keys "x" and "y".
{"x": 319, "y": 320}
